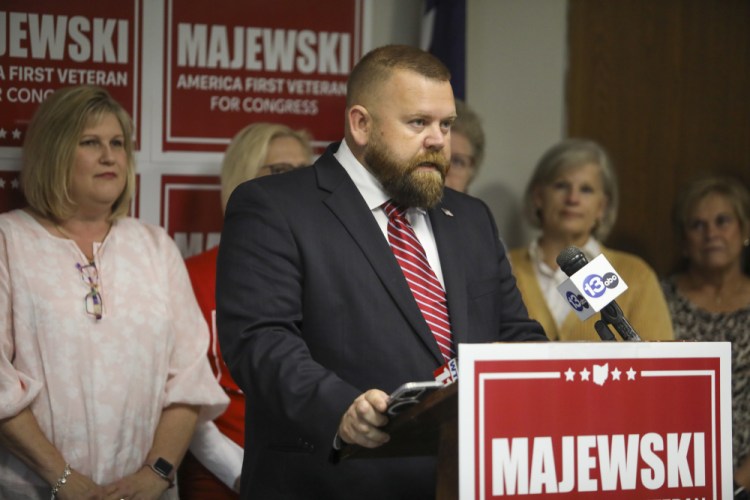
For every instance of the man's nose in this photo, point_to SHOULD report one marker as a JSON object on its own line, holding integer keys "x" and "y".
{"x": 436, "y": 138}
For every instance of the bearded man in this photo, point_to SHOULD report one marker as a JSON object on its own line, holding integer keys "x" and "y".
{"x": 322, "y": 309}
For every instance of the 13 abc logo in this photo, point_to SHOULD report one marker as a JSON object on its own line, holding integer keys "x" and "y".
{"x": 577, "y": 302}
{"x": 594, "y": 285}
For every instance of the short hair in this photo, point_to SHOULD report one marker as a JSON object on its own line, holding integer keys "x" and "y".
{"x": 247, "y": 153}
{"x": 573, "y": 153}
{"x": 730, "y": 188}
{"x": 378, "y": 65}
{"x": 468, "y": 124}
{"x": 49, "y": 149}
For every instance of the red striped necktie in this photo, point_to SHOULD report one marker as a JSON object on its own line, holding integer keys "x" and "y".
{"x": 422, "y": 280}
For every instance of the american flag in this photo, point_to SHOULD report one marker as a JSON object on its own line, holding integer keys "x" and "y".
{"x": 444, "y": 35}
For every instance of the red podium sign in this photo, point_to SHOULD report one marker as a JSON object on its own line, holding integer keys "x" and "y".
{"x": 595, "y": 420}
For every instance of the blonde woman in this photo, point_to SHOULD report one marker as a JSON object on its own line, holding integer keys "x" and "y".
{"x": 709, "y": 296}
{"x": 102, "y": 372}
{"x": 572, "y": 197}
{"x": 212, "y": 469}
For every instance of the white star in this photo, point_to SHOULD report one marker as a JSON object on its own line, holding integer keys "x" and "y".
{"x": 15, "y": 184}
{"x": 3, "y": 133}
{"x": 16, "y": 133}
{"x": 616, "y": 374}
{"x": 570, "y": 375}
{"x": 631, "y": 374}
{"x": 585, "y": 374}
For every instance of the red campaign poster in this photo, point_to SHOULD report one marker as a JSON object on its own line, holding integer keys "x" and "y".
{"x": 11, "y": 196}
{"x": 642, "y": 427}
{"x": 191, "y": 211}
{"x": 46, "y": 45}
{"x": 229, "y": 63}
{"x": 135, "y": 202}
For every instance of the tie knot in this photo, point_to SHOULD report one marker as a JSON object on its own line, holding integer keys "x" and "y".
{"x": 392, "y": 210}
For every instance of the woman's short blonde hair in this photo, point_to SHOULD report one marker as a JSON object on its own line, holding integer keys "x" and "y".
{"x": 247, "y": 153}
{"x": 50, "y": 147}
{"x": 730, "y": 188}
{"x": 573, "y": 153}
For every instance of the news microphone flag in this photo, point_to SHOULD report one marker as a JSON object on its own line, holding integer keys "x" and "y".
{"x": 444, "y": 36}
{"x": 592, "y": 287}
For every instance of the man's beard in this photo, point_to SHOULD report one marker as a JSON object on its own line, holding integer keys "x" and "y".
{"x": 405, "y": 184}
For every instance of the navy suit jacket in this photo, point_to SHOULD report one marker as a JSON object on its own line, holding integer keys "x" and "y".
{"x": 313, "y": 310}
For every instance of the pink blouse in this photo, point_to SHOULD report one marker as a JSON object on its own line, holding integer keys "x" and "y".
{"x": 98, "y": 387}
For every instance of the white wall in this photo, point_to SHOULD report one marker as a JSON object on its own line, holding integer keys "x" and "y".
{"x": 516, "y": 52}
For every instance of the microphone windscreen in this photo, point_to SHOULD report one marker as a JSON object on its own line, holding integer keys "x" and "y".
{"x": 571, "y": 260}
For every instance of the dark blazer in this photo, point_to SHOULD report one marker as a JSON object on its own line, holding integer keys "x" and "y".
{"x": 313, "y": 310}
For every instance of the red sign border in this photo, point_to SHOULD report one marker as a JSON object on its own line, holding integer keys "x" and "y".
{"x": 470, "y": 354}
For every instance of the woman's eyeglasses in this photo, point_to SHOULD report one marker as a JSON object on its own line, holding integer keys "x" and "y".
{"x": 93, "y": 299}
{"x": 461, "y": 161}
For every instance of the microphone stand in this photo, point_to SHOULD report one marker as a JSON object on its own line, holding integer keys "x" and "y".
{"x": 613, "y": 315}
{"x": 603, "y": 330}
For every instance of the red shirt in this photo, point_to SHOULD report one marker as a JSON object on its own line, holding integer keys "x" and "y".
{"x": 202, "y": 271}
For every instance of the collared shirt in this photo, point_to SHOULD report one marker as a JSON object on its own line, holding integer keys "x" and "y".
{"x": 549, "y": 278}
{"x": 372, "y": 191}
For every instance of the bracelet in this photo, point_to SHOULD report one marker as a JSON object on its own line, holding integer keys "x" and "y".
{"x": 63, "y": 479}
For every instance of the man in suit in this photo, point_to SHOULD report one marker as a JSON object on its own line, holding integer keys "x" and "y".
{"x": 316, "y": 320}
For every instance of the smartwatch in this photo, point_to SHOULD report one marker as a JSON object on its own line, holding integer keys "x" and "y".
{"x": 163, "y": 469}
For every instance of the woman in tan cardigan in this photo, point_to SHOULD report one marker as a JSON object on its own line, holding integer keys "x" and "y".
{"x": 572, "y": 197}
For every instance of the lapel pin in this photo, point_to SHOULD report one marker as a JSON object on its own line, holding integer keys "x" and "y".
{"x": 447, "y": 212}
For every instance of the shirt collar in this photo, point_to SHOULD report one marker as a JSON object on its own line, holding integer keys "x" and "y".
{"x": 368, "y": 186}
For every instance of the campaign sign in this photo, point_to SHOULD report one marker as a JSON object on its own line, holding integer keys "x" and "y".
{"x": 191, "y": 211}
{"x": 135, "y": 202}
{"x": 641, "y": 421}
{"x": 597, "y": 282}
{"x": 11, "y": 196}
{"x": 48, "y": 45}
{"x": 236, "y": 63}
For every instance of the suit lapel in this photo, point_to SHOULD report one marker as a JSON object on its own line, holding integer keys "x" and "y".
{"x": 349, "y": 207}
{"x": 445, "y": 228}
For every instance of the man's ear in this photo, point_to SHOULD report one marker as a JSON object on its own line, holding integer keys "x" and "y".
{"x": 360, "y": 124}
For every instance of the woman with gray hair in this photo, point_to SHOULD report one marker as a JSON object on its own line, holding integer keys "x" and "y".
{"x": 572, "y": 197}
{"x": 467, "y": 148}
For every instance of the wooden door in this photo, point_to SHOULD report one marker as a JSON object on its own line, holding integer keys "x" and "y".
{"x": 664, "y": 85}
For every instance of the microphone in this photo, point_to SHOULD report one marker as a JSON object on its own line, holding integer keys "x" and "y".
{"x": 572, "y": 260}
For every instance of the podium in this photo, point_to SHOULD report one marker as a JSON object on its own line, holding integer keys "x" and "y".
{"x": 595, "y": 420}
{"x": 427, "y": 428}
{"x": 603, "y": 420}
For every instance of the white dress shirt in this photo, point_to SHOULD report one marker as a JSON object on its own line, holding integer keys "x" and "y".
{"x": 374, "y": 195}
